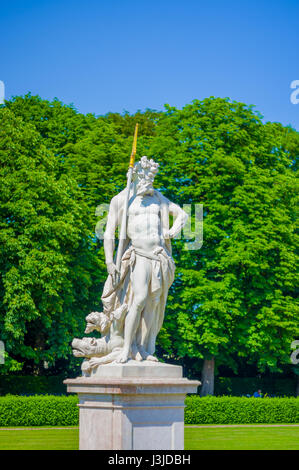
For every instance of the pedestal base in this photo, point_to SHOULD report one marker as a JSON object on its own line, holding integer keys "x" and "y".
{"x": 131, "y": 413}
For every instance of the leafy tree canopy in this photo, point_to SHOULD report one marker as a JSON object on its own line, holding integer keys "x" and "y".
{"x": 237, "y": 293}
{"x": 235, "y": 297}
{"x": 47, "y": 263}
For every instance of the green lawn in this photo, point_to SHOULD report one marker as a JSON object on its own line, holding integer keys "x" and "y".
{"x": 39, "y": 439}
{"x": 229, "y": 438}
{"x": 242, "y": 438}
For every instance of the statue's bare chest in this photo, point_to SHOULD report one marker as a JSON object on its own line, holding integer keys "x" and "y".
{"x": 144, "y": 205}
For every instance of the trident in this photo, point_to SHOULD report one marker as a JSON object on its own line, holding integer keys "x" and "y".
{"x": 123, "y": 228}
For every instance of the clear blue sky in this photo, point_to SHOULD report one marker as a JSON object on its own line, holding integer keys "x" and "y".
{"x": 117, "y": 55}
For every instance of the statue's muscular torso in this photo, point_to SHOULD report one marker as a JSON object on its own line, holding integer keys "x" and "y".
{"x": 144, "y": 223}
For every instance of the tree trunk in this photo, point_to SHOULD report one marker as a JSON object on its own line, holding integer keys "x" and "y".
{"x": 297, "y": 387}
{"x": 207, "y": 377}
{"x": 40, "y": 343}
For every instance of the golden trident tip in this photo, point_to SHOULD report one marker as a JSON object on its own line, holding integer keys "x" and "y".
{"x": 132, "y": 159}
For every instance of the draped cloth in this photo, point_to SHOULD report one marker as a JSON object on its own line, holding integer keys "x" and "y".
{"x": 162, "y": 276}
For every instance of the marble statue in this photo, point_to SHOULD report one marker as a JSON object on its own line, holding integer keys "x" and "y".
{"x": 136, "y": 289}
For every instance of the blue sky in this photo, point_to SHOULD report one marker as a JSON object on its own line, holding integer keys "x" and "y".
{"x": 126, "y": 55}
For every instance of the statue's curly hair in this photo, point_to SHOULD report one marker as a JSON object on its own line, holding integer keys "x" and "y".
{"x": 146, "y": 169}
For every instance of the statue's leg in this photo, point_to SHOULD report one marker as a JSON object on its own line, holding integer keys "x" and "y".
{"x": 145, "y": 336}
{"x": 135, "y": 354}
{"x": 156, "y": 325}
{"x": 143, "y": 331}
{"x": 140, "y": 278}
{"x": 151, "y": 344}
{"x": 151, "y": 337}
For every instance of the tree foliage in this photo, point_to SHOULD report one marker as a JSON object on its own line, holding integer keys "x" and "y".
{"x": 235, "y": 297}
{"x": 237, "y": 293}
{"x": 47, "y": 263}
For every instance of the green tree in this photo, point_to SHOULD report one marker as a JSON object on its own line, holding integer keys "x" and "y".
{"x": 236, "y": 295}
{"x": 58, "y": 124}
{"x": 233, "y": 298}
{"x": 92, "y": 150}
{"x": 89, "y": 157}
{"x": 125, "y": 123}
{"x": 49, "y": 274}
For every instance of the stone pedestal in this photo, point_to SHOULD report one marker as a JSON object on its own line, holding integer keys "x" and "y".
{"x": 132, "y": 406}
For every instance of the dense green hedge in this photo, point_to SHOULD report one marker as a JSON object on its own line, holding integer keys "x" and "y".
{"x": 39, "y": 411}
{"x": 241, "y": 410}
{"x": 63, "y": 411}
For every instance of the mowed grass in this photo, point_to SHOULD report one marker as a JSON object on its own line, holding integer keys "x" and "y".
{"x": 242, "y": 438}
{"x": 207, "y": 438}
{"x": 39, "y": 439}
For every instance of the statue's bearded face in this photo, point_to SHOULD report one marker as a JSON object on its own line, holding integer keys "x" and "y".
{"x": 145, "y": 171}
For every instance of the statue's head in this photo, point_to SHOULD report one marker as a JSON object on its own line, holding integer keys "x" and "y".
{"x": 144, "y": 174}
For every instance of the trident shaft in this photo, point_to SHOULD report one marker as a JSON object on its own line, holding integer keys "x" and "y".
{"x": 123, "y": 228}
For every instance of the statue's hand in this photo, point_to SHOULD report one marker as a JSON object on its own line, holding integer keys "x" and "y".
{"x": 114, "y": 273}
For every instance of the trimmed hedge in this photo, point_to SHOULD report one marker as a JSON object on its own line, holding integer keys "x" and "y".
{"x": 241, "y": 410}
{"x": 39, "y": 411}
{"x": 63, "y": 411}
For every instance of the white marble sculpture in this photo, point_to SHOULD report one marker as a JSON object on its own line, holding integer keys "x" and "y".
{"x": 135, "y": 292}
